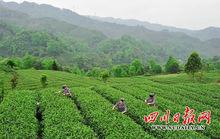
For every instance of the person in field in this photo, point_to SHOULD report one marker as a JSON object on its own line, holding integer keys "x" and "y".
{"x": 120, "y": 105}
{"x": 151, "y": 100}
{"x": 66, "y": 91}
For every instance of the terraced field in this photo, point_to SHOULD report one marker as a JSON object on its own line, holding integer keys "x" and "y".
{"x": 31, "y": 111}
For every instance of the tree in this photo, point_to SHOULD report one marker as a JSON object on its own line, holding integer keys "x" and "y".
{"x": 28, "y": 61}
{"x": 193, "y": 64}
{"x": 4, "y": 67}
{"x": 207, "y": 65}
{"x": 11, "y": 64}
{"x": 77, "y": 70}
{"x": 146, "y": 69}
{"x": 54, "y": 65}
{"x": 117, "y": 71}
{"x": 37, "y": 65}
{"x": 105, "y": 75}
{"x": 216, "y": 62}
{"x": 217, "y": 65}
{"x": 120, "y": 70}
{"x": 172, "y": 66}
{"x": 138, "y": 67}
{"x": 125, "y": 70}
{"x": 54, "y": 47}
{"x": 132, "y": 70}
{"x": 155, "y": 68}
{"x": 95, "y": 72}
{"x": 47, "y": 63}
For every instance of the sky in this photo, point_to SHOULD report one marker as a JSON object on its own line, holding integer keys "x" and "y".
{"x": 191, "y": 14}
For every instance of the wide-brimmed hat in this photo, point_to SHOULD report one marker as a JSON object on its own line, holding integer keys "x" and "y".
{"x": 64, "y": 86}
{"x": 122, "y": 99}
{"x": 152, "y": 94}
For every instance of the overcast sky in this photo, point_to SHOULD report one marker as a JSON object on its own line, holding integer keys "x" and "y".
{"x": 192, "y": 14}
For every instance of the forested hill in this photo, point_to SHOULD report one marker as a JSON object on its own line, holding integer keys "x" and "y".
{"x": 202, "y": 34}
{"x": 50, "y": 25}
{"x": 47, "y": 31}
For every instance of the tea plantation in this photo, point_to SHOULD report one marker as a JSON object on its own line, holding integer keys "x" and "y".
{"x": 31, "y": 111}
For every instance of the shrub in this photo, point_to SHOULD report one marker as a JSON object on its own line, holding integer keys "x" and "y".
{"x": 1, "y": 90}
{"x": 44, "y": 81}
{"x": 105, "y": 75}
{"x": 14, "y": 80}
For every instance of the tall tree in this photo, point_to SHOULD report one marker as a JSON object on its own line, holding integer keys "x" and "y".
{"x": 47, "y": 63}
{"x": 104, "y": 75}
{"x": 28, "y": 61}
{"x": 117, "y": 71}
{"x": 172, "y": 66}
{"x": 137, "y": 67}
{"x": 54, "y": 65}
{"x": 154, "y": 67}
{"x": 193, "y": 64}
{"x": 95, "y": 72}
{"x": 11, "y": 64}
{"x": 132, "y": 70}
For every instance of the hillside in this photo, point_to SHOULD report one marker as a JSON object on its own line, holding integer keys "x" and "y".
{"x": 109, "y": 29}
{"x": 203, "y": 34}
{"x": 51, "y": 25}
{"x": 16, "y": 41}
{"x": 167, "y": 40}
{"x": 89, "y": 113}
{"x": 86, "y": 43}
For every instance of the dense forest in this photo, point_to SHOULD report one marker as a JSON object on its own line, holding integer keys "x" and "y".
{"x": 79, "y": 44}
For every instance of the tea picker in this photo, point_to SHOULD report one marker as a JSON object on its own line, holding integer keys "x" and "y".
{"x": 151, "y": 100}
